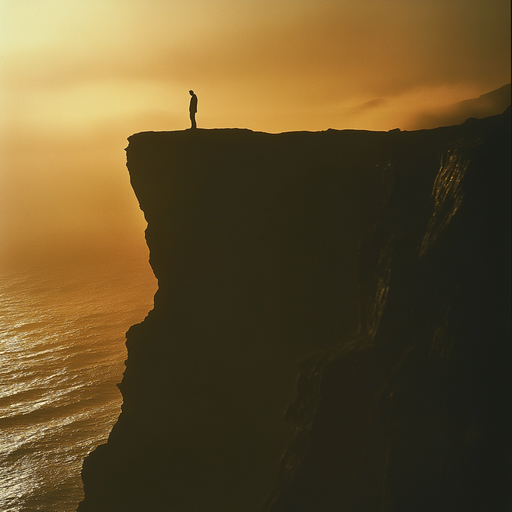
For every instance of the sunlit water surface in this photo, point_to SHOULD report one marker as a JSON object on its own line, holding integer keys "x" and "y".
{"x": 62, "y": 335}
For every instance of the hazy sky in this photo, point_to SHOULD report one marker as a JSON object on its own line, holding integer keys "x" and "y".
{"x": 77, "y": 77}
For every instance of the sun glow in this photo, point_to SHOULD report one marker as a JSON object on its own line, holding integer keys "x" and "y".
{"x": 77, "y": 78}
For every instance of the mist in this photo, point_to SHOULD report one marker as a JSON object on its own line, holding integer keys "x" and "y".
{"x": 77, "y": 78}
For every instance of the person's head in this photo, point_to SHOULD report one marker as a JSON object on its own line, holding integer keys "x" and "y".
{"x": 191, "y": 93}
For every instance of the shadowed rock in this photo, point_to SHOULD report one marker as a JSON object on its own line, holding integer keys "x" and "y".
{"x": 256, "y": 240}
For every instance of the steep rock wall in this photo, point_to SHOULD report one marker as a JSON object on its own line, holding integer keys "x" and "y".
{"x": 254, "y": 239}
{"x": 414, "y": 413}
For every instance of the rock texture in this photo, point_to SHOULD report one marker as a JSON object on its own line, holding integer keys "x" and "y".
{"x": 379, "y": 260}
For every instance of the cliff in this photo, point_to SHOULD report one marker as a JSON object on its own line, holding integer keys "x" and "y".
{"x": 376, "y": 261}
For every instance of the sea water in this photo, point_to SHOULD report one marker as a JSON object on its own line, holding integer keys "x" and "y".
{"x": 62, "y": 352}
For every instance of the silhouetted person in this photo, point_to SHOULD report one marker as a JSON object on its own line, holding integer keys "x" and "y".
{"x": 193, "y": 109}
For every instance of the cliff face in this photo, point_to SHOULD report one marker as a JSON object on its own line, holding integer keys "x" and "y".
{"x": 256, "y": 240}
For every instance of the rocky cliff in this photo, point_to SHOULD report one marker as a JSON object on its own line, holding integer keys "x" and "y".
{"x": 376, "y": 262}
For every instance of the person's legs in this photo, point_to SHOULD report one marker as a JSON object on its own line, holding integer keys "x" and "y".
{"x": 193, "y": 119}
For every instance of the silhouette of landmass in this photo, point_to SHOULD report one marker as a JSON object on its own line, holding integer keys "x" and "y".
{"x": 377, "y": 261}
{"x": 489, "y": 104}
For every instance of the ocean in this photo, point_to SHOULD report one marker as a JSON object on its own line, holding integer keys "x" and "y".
{"x": 62, "y": 352}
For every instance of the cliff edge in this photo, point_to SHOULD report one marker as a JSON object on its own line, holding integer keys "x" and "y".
{"x": 378, "y": 259}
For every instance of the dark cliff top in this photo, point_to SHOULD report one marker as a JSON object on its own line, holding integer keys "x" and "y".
{"x": 362, "y": 138}
{"x": 246, "y": 132}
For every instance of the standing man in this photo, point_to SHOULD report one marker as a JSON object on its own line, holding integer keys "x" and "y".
{"x": 193, "y": 109}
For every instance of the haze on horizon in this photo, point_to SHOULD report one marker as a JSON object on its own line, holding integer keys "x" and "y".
{"x": 78, "y": 77}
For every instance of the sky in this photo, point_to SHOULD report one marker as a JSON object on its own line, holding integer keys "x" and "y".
{"x": 77, "y": 77}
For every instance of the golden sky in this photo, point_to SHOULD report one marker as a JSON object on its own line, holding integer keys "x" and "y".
{"x": 77, "y": 77}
